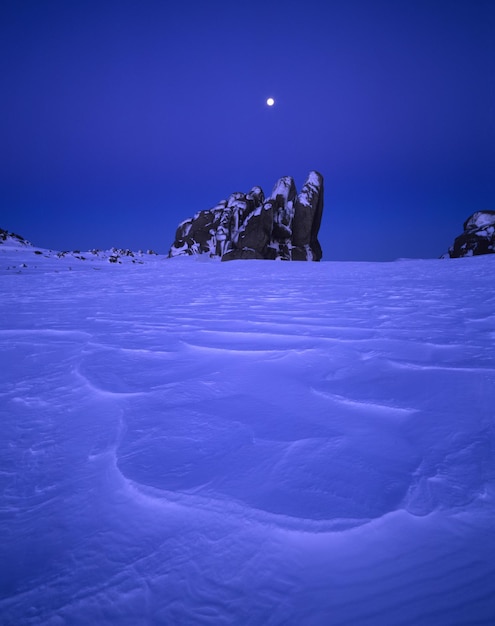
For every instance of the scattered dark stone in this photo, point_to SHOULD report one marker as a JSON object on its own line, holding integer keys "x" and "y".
{"x": 246, "y": 226}
{"x": 478, "y": 236}
{"x": 122, "y": 252}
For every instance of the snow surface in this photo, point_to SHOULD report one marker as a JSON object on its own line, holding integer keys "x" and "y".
{"x": 190, "y": 442}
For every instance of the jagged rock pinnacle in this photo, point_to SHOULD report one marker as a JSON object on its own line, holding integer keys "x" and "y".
{"x": 247, "y": 226}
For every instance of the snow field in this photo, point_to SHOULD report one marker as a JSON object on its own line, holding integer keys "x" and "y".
{"x": 247, "y": 443}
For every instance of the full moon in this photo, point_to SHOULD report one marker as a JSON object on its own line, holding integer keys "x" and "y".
{"x": 270, "y": 102}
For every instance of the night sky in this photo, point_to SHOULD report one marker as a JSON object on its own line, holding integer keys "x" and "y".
{"x": 120, "y": 119}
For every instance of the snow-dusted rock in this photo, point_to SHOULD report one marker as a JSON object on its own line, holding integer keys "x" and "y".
{"x": 11, "y": 239}
{"x": 478, "y": 236}
{"x": 248, "y": 226}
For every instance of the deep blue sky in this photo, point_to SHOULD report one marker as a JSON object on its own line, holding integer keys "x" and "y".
{"x": 120, "y": 119}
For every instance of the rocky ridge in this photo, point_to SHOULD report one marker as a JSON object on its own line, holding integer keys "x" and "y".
{"x": 9, "y": 238}
{"x": 13, "y": 247}
{"x": 247, "y": 226}
{"x": 478, "y": 236}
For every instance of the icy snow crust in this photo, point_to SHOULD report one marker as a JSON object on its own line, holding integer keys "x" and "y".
{"x": 190, "y": 442}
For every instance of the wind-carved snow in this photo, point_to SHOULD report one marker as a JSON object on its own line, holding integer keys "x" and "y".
{"x": 191, "y": 442}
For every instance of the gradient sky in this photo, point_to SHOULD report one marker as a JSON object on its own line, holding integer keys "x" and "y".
{"x": 120, "y": 119}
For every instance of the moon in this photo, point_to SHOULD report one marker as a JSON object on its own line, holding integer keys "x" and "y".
{"x": 270, "y": 102}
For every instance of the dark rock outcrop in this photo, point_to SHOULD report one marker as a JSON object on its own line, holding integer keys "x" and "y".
{"x": 7, "y": 237}
{"x": 247, "y": 226}
{"x": 478, "y": 236}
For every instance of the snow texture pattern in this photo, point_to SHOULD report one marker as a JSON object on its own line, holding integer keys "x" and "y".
{"x": 183, "y": 444}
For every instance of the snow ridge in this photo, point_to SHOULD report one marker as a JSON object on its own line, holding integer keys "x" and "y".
{"x": 16, "y": 253}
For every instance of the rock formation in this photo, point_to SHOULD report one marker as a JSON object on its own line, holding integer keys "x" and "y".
{"x": 247, "y": 226}
{"x": 478, "y": 236}
{"x": 7, "y": 237}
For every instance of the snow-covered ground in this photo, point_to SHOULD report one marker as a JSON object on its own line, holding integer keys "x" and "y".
{"x": 247, "y": 443}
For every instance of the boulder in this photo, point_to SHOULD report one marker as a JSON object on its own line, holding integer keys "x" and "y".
{"x": 478, "y": 236}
